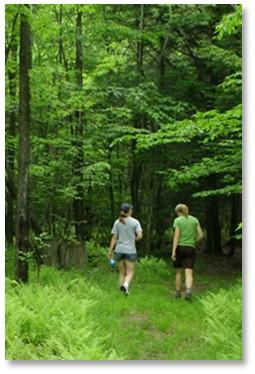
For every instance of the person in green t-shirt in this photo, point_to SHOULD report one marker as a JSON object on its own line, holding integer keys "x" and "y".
{"x": 187, "y": 231}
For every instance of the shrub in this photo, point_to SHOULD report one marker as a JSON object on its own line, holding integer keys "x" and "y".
{"x": 96, "y": 254}
{"x": 223, "y": 323}
{"x": 149, "y": 267}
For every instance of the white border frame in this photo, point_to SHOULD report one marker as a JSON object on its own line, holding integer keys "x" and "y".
{"x": 247, "y": 365}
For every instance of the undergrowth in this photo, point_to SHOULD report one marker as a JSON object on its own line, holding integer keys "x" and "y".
{"x": 223, "y": 323}
{"x": 74, "y": 315}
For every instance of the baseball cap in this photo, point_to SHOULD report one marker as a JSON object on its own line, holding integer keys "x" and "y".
{"x": 125, "y": 207}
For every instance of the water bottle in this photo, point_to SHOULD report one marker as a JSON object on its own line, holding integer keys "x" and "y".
{"x": 112, "y": 263}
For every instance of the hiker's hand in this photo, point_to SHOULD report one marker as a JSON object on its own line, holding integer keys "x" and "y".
{"x": 174, "y": 256}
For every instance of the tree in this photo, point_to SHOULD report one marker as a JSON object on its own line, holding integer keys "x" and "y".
{"x": 10, "y": 150}
{"x": 78, "y": 133}
{"x": 22, "y": 215}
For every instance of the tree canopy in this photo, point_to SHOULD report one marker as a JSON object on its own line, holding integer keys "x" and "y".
{"x": 138, "y": 103}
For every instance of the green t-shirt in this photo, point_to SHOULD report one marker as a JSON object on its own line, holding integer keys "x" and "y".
{"x": 188, "y": 230}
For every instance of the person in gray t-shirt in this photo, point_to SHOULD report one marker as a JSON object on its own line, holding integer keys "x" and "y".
{"x": 125, "y": 232}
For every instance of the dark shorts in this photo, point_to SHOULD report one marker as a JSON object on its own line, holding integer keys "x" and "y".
{"x": 185, "y": 257}
{"x": 125, "y": 256}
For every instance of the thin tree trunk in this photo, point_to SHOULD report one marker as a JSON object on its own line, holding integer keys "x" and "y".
{"x": 162, "y": 65}
{"x": 12, "y": 40}
{"x": 78, "y": 202}
{"x": 149, "y": 215}
{"x": 140, "y": 44}
{"x": 154, "y": 198}
{"x": 61, "y": 51}
{"x": 22, "y": 230}
{"x": 235, "y": 220}
{"x": 213, "y": 226}
{"x": 164, "y": 41}
{"x": 159, "y": 218}
{"x": 49, "y": 217}
{"x": 135, "y": 180}
{"x": 111, "y": 193}
{"x": 136, "y": 164}
{"x": 10, "y": 152}
{"x": 120, "y": 183}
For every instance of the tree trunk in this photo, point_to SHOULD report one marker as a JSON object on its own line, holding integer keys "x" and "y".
{"x": 213, "y": 226}
{"x": 111, "y": 193}
{"x": 12, "y": 190}
{"x": 164, "y": 41}
{"x": 159, "y": 219}
{"x": 140, "y": 44}
{"x": 12, "y": 38}
{"x": 161, "y": 65}
{"x": 61, "y": 57}
{"x": 78, "y": 202}
{"x": 120, "y": 182}
{"x": 137, "y": 165}
{"x": 149, "y": 215}
{"x": 135, "y": 181}
{"x": 22, "y": 229}
{"x": 235, "y": 220}
{"x": 10, "y": 152}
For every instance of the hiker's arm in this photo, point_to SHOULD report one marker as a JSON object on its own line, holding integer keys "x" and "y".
{"x": 200, "y": 234}
{"x": 112, "y": 245}
{"x": 139, "y": 236}
{"x": 138, "y": 232}
{"x": 175, "y": 242}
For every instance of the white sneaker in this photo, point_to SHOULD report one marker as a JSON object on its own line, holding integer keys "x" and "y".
{"x": 124, "y": 290}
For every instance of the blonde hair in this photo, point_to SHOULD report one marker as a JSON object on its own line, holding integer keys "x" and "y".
{"x": 182, "y": 209}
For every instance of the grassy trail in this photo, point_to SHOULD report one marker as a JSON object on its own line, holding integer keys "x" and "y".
{"x": 85, "y": 316}
{"x": 151, "y": 323}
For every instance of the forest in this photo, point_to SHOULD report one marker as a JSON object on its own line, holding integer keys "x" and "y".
{"x": 111, "y": 103}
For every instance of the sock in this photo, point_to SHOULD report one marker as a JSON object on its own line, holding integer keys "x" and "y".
{"x": 188, "y": 290}
{"x": 125, "y": 284}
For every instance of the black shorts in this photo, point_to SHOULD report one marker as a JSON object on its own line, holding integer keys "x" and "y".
{"x": 125, "y": 256}
{"x": 185, "y": 257}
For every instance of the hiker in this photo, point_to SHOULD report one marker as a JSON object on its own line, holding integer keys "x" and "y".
{"x": 187, "y": 231}
{"x": 126, "y": 231}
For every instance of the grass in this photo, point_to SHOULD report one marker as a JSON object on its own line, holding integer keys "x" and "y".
{"x": 83, "y": 316}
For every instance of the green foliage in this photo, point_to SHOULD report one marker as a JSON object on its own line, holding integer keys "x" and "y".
{"x": 98, "y": 174}
{"x": 96, "y": 255}
{"x": 10, "y": 263}
{"x": 223, "y": 323}
{"x": 26, "y": 256}
{"x": 152, "y": 267}
{"x": 229, "y": 92}
{"x": 83, "y": 316}
{"x": 159, "y": 104}
{"x": 53, "y": 322}
{"x": 41, "y": 240}
{"x": 238, "y": 231}
{"x": 219, "y": 134}
{"x": 230, "y": 23}
{"x": 225, "y": 191}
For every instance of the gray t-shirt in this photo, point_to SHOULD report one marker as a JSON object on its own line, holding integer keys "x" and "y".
{"x": 126, "y": 234}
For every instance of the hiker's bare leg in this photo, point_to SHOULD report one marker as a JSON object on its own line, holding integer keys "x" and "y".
{"x": 122, "y": 272}
{"x": 130, "y": 270}
{"x": 189, "y": 278}
{"x": 178, "y": 280}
